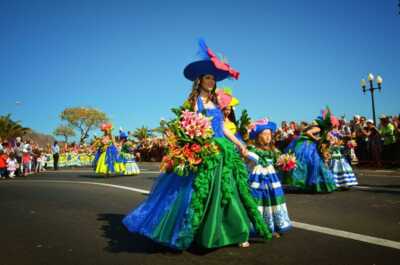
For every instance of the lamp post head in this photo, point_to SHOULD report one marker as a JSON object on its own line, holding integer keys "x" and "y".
{"x": 370, "y": 77}
{"x": 363, "y": 84}
{"x": 379, "y": 79}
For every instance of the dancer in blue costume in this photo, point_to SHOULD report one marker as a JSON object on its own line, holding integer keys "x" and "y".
{"x": 312, "y": 173}
{"x": 127, "y": 156}
{"x": 212, "y": 207}
{"x": 341, "y": 169}
{"x": 264, "y": 182}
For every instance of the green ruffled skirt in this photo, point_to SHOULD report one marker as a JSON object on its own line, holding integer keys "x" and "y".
{"x": 212, "y": 207}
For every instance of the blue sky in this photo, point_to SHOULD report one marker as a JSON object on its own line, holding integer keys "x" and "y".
{"x": 127, "y": 57}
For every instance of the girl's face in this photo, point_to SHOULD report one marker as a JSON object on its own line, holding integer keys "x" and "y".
{"x": 207, "y": 83}
{"x": 227, "y": 111}
{"x": 265, "y": 137}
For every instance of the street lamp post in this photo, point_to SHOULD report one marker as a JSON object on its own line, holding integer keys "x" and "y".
{"x": 371, "y": 89}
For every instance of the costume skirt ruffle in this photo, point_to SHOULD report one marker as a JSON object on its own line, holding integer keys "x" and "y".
{"x": 311, "y": 173}
{"x": 212, "y": 208}
{"x": 342, "y": 173}
{"x": 267, "y": 190}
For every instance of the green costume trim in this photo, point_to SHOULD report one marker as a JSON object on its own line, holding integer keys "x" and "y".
{"x": 266, "y": 157}
{"x": 231, "y": 166}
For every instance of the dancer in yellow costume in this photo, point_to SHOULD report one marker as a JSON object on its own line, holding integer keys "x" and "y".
{"x": 107, "y": 160}
{"x": 226, "y": 103}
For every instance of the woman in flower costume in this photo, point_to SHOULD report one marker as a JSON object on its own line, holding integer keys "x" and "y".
{"x": 342, "y": 171}
{"x": 264, "y": 182}
{"x": 311, "y": 149}
{"x": 127, "y": 156}
{"x": 208, "y": 202}
{"x": 107, "y": 160}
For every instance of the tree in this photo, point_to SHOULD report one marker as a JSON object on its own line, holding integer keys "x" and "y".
{"x": 65, "y": 131}
{"x": 142, "y": 133}
{"x": 10, "y": 129}
{"x": 161, "y": 129}
{"x": 83, "y": 119}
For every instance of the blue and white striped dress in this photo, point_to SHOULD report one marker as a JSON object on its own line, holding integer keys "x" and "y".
{"x": 267, "y": 190}
{"x": 342, "y": 171}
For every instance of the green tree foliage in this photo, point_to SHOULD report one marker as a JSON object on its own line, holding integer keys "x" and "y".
{"x": 83, "y": 119}
{"x": 10, "y": 129}
{"x": 64, "y": 131}
{"x": 142, "y": 133}
{"x": 161, "y": 129}
{"x": 244, "y": 123}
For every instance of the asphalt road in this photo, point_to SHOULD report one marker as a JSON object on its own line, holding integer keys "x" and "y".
{"x": 67, "y": 218}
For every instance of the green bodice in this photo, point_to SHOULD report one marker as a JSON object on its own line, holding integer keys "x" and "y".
{"x": 266, "y": 157}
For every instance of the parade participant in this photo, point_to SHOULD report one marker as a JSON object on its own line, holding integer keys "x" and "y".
{"x": 107, "y": 160}
{"x": 264, "y": 182}
{"x": 226, "y": 102}
{"x": 311, "y": 150}
{"x": 127, "y": 156}
{"x": 341, "y": 169}
{"x": 213, "y": 206}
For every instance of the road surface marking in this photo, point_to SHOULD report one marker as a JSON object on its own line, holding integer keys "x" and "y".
{"x": 314, "y": 228}
{"x": 349, "y": 235}
{"x": 84, "y": 182}
{"x": 375, "y": 188}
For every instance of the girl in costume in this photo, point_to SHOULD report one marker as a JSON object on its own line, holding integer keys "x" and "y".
{"x": 341, "y": 169}
{"x": 211, "y": 206}
{"x": 264, "y": 182}
{"x": 131, "y": 168}
{"x": 227, "y": 102}
{"x": 107, "y": 160}
{"x": 312, "y": 173}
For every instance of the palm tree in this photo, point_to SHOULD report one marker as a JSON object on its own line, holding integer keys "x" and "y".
{"x": 142, "y": 133}
{"x": 161, "y": 129}
{"x": 10, "y": 129}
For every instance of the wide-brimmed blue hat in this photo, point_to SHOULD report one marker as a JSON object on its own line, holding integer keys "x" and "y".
{"x": 204, "y": 67}
{"x": 209, "y": 64}
{"x": 260, "y": 126}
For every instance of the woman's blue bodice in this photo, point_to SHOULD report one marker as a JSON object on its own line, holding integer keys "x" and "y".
{"x": 217, "y": 118}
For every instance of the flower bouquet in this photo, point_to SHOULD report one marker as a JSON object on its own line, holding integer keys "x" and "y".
{"x": 286, "y": 162}
{"x": 189, "y": 142}
{"x": 351, "y": 144}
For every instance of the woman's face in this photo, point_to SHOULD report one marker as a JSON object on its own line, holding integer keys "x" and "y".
{"x": 265, "y": 137}
{"x": 227, "y": 111}
{"x": 207, "y": 83}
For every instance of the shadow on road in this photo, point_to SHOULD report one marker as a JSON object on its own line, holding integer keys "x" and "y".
{"x": 121, "y": 240}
